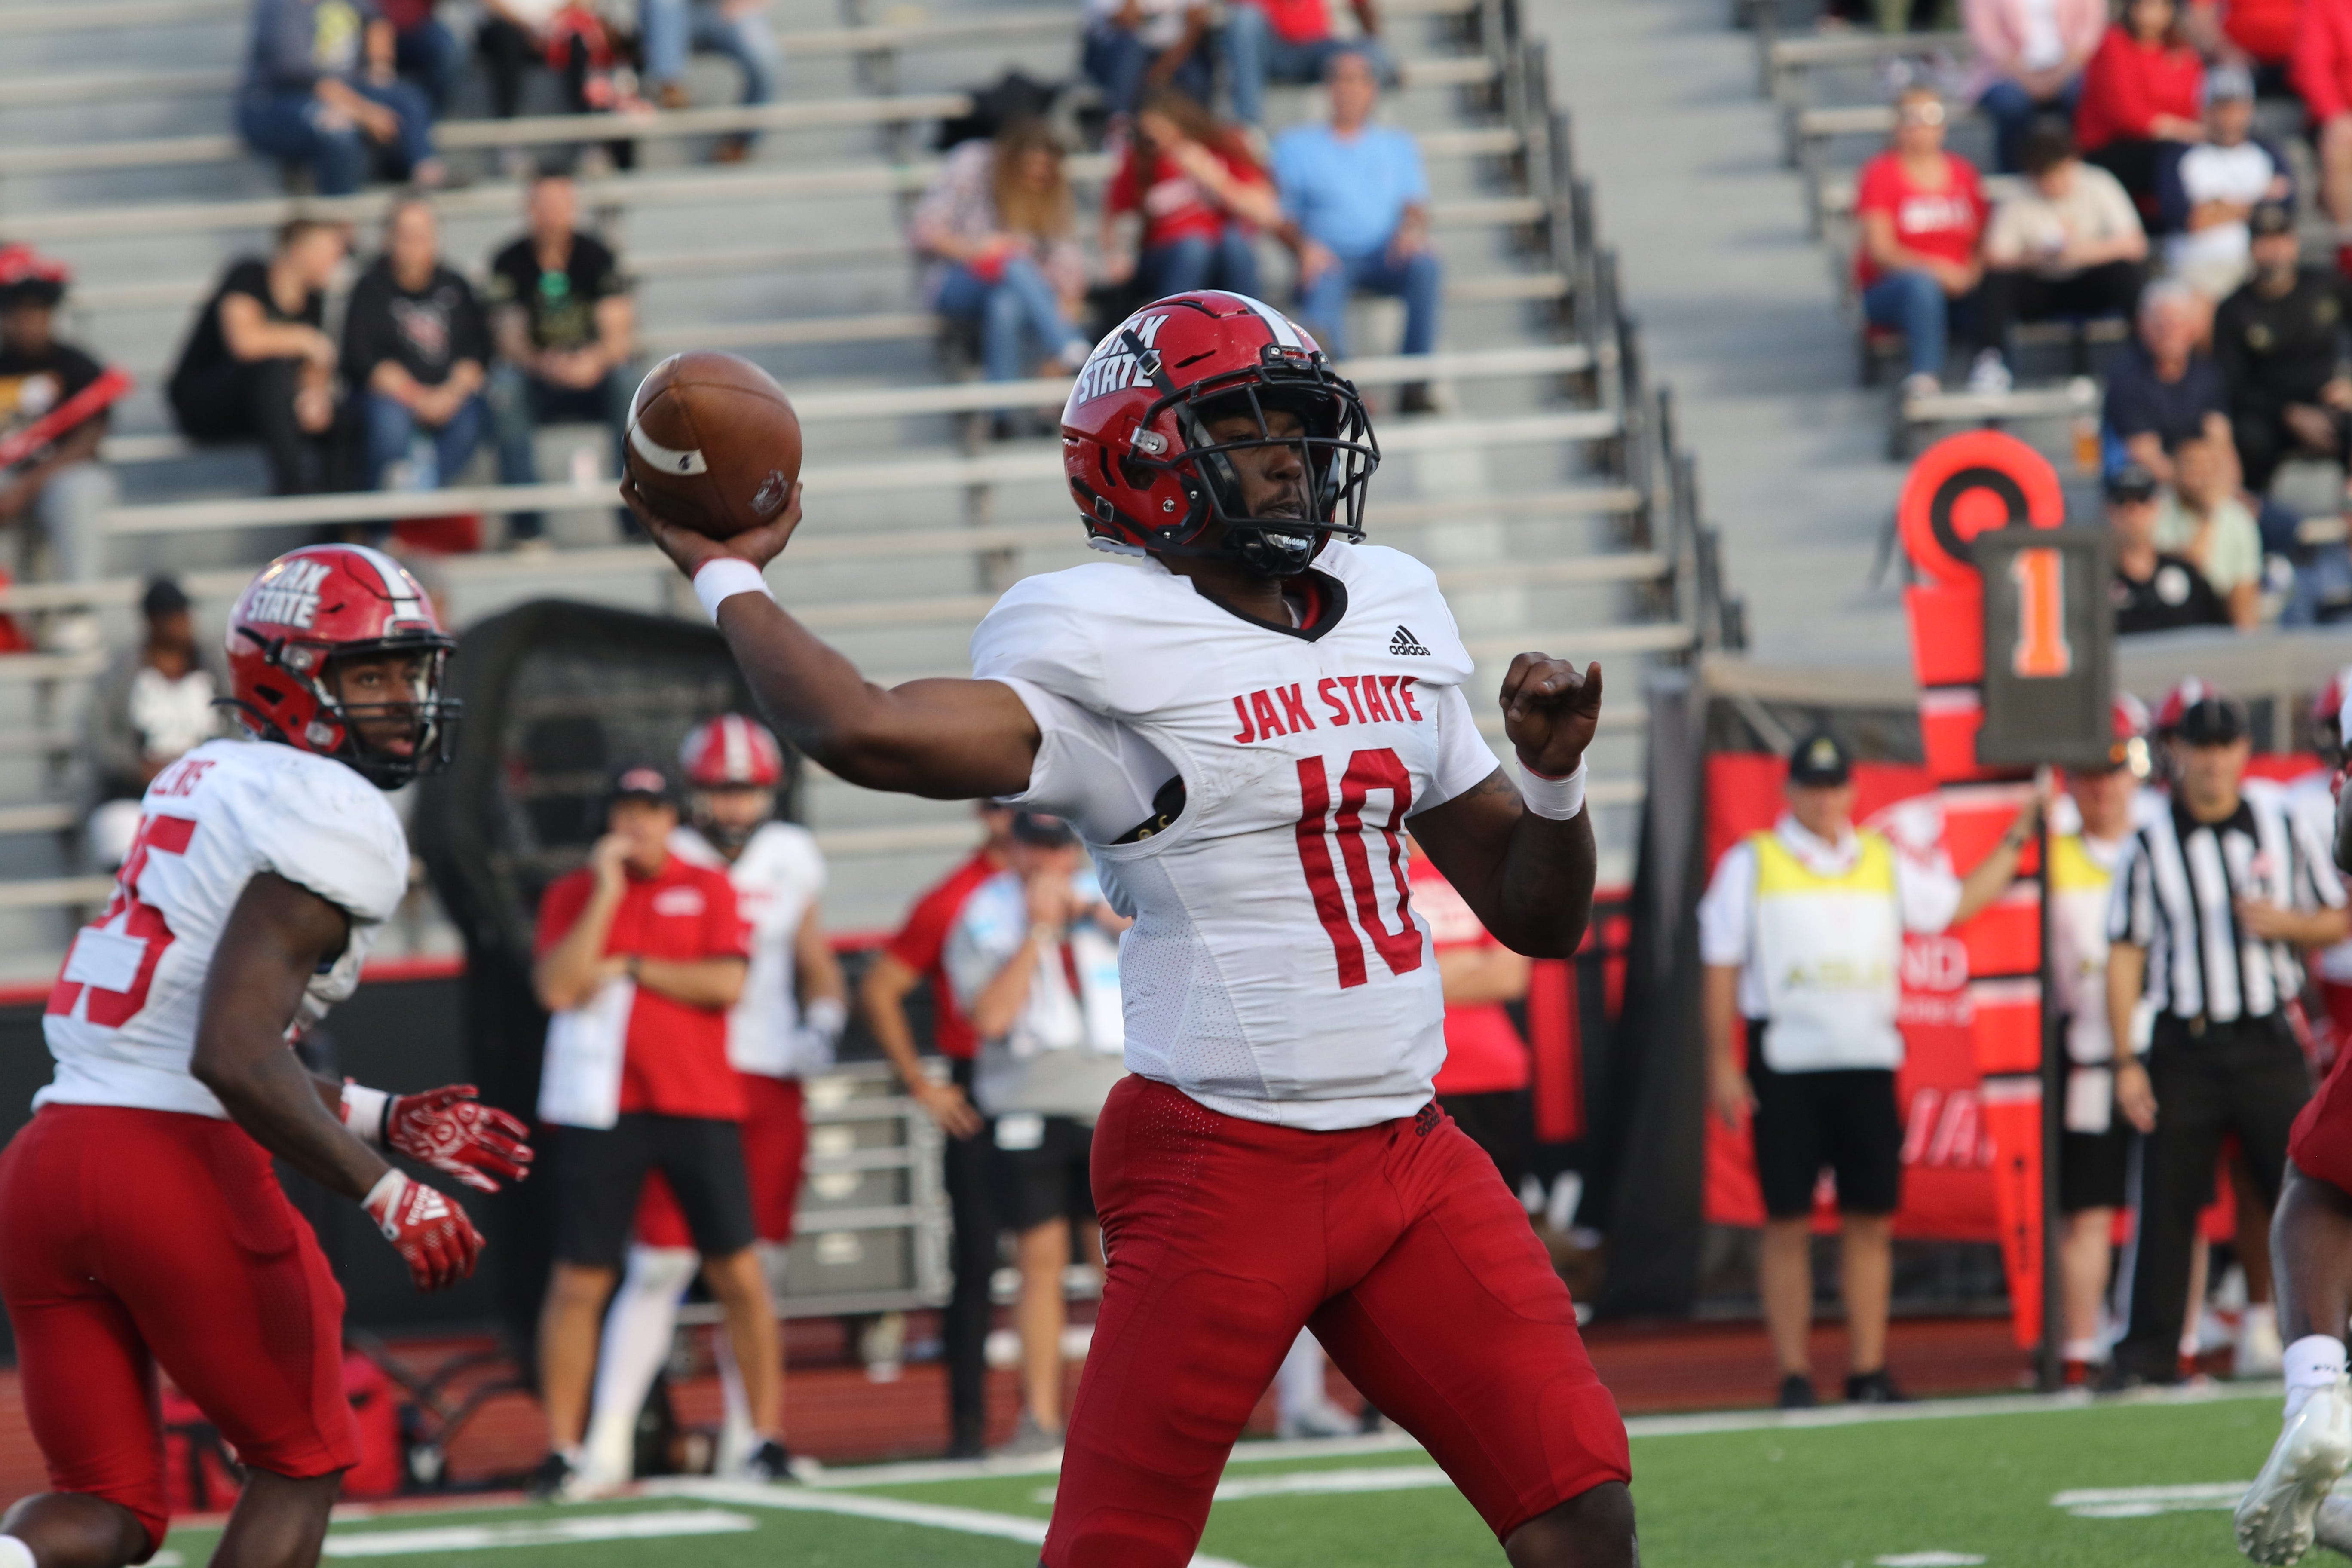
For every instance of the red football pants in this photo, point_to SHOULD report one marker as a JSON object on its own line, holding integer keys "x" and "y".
{"x": 775, "y": 1150}
{"x": 130, "y": 1238}
{"x": 1397, "y": 1244}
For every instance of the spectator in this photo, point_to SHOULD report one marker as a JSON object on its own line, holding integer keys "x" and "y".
{"x": 414, "y": 343}
{"x": 2222, "y": 1057}
{"x": 513, "y": 36}
{"x": 2072, "y": 245}
{"x": 1200, "y": 196}
{"x": 996, "y": 230}
{"x": 2321, "y": 72}
{"x": 2029, "y": 55}
{"x": 321, "y": 90}
{"x": 1358, "y": 206}
{"x": 561, "y": 322}
{"x": 2153, "y": 592}
{"x": 912, "y": 958}
{"x": 154, "y": 701}
{"x": 736, "y": 28}
{"x": 424, "y": 49}
{"x": 1133, "y": 47}
{"x": 1801, "y": 935}
{"x": 2201, "y": 520}
{"x": 1482, "y": 1084}
{"x": 640, "y": 954}
{"x": 1034, "y": 961}
{"x": 259, "y": 365}
{"x": 1923, "y": 215}
{"x": 2164, "y": 391}
{"x": 2142, "y": 99}
{"x": 2217, "y": 185}
{"x": 2258, "y": 33}
{"x": 49, "y": 467}
{"x": 2279, "y": 340}
{"x": 1290, "y": 41}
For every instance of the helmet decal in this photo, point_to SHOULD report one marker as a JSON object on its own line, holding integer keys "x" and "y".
{"x": 287, "y": 595}
{"x": 1115, "y": 365}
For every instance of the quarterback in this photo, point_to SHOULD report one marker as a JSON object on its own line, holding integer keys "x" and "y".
{"x": 1241, "y": 723}
{"x": 141, "y": 1224}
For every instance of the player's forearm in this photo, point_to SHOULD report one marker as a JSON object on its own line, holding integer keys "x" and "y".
{"x": 1545, "y": 898}
{"x": 697, "y": 981}
{"x": 279, "y": 1105}
{"x": 949, "y": 740}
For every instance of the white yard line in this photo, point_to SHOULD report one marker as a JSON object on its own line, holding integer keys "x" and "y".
{"x": 805, "y": 1499}
{"x": 2141, "y": 1502}
{"x": 1308, "y": 1483}
{"x": 1930, "y": 1559}
{"x": 558, "y": 1532}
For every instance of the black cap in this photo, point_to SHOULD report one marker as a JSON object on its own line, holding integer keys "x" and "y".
{"x": 2270, "y": 217}
{"x": 644, "y": 780}
{"x": 1819, "y": 759}
{"x": 163, "y": 597}
{"x": 2214, "y": 720}
{"x": 1044, "y": 831}
{"x": 2131, "y": 482}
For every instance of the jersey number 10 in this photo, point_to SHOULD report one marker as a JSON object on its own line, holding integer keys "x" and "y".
{"x": 1366, "y": 771}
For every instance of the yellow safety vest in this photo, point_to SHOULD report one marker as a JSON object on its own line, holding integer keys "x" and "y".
{"x": 1830, "y": 950}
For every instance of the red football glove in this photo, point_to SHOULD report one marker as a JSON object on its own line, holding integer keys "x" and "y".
{"x": 427, "y": 1227}
{"x": 457, "y": 1135}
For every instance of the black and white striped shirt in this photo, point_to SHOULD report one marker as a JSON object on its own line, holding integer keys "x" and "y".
{"x": 2176, "y": 897}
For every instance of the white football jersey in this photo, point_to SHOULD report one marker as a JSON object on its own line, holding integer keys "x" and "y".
{"x": 1276, "y": 970}
{"x": 777, "y": 878}
{"x": 121, "y": 1019}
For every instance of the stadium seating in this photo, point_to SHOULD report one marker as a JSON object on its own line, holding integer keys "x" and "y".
{"x": 1547, "y": 493}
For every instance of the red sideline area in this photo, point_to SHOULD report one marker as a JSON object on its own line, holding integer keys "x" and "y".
{"x": 838, "y": 1414}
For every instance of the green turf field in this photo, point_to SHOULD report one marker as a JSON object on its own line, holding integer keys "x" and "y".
{"x": 2109, "y": 1486}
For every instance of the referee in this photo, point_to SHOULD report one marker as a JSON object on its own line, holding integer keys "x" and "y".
{"x": 2215, "y": 894}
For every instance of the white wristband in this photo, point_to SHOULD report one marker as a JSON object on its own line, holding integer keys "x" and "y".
{"x": 825, "y": 1019}
{"x": 363, "y": 1110}
{"x": 1559, "y": 799}
{"x": 722, "y": 579}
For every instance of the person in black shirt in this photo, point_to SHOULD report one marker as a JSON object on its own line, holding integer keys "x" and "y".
{"x": 2153, "y": 592}
{"x": 2278, "y": 340}
{"x": 59, "y": 484}
{"x": 561, "y": 320}
{"x": 2162, "y": 391}
{"x": 415, "y": 345}
{"x": 259, "y": 365}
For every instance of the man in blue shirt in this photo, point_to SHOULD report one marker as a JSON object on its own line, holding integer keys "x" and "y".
{"x": 1356, "y": 209}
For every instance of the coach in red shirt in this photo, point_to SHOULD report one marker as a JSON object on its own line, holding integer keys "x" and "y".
{"x": 641, "y": 955}
{"x": 910, "y": 959}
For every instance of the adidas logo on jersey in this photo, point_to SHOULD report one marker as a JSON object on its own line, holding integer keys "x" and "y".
{"x": 1405, "y": 642}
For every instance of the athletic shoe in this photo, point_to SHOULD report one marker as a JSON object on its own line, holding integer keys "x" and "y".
{"x": 557, "y": 1479}
{"x": 2080, "y": 1373}
{"x": 2259, "y": 1353}
{"x": 1323, "y": 1419}
{"x": 1873, "y": 1389}
{"x": 2332, "y": 1525}
{"x": 2275, "y": 1517}
{"x": 771, "y": 1462}
{"x": 1028, "y": 1441}
{"x": 1797, "y": 1392}
{"x": 1990, "y": 373}
{"x": 1919, "y": 385}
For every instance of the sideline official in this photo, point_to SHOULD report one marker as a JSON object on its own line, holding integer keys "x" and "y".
{"x": 2215, "y": 896}
{"x": 1801, "y": 933}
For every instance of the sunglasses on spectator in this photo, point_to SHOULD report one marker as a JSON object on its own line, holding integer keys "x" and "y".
{"x": 1922, "y": 115}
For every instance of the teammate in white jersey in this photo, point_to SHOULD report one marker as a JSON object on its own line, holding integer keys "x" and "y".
{"x": 785, "y": 1029}
{"x": 1239, "y": 725}
{"x": 141, "y": 1224}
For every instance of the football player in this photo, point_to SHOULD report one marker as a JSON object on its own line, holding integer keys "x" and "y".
{"x": 785, "y": 1029}
{"x": 1241, "y": 723}
{"x": 141, "y": 1224}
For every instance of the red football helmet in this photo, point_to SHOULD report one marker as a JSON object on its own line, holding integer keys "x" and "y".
{"x": 2180, "y": 700}
{"x": 313, "y": 607}
{"x": 731, "y": 752}
{"x": 1142, "y": 468}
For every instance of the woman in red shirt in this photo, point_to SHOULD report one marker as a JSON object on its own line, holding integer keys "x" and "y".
{"x": 2143, "y": 99}
{"x": 1922, "y": 212}
{"x": 1202, "y": 197}
{"x": 1483, "y": 1083}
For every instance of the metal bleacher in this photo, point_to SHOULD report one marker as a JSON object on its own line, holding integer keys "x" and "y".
{"x": 1546, "y": 490}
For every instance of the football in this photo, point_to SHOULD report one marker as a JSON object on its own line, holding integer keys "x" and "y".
{"x": 713, "y": 443}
